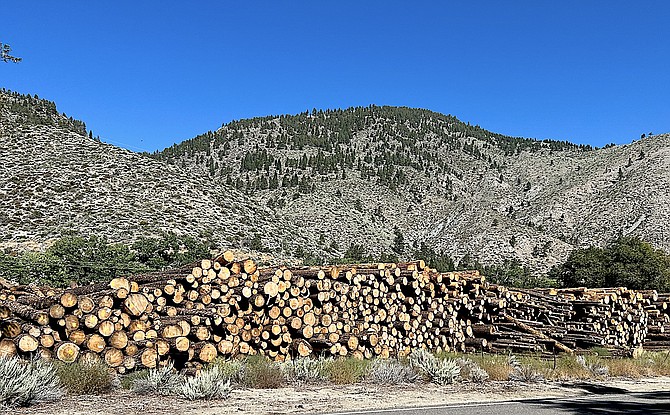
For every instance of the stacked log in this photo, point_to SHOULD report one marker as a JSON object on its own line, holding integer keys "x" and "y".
{"x": 658, "y": 320}
{"x": 575, "y": 318}
{"x": 224, "y": 307}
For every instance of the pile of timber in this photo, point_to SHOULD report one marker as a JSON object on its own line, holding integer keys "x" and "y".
{"x": 658, "y": 320}
{"x": 227, "y": 307}
{"x": 565, "y": 320}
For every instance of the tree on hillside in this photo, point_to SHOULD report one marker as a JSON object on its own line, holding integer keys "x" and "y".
{"x": 627, "y": 261}
{"x": 5, "y": 54}
{"x": 398, "y": 247}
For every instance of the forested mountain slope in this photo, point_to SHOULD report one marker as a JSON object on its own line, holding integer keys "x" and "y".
{"x": 358, "y": 174}
{"x": 316, "y": 183}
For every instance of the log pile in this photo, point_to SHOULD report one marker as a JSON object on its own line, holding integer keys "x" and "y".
{"x": 573, "y": 319}
{"x": 224, "y": 307}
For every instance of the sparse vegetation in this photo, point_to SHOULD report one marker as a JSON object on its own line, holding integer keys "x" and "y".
{"x": 471, "y": 371}
{"x": 391, "y": 372}
{"x": 305, "y": 370}
{"x": 261, "y": 373}
{"x": 523, "y": 372}
{"x": 88, "y": 377}
{"x": 346, "y": 370}
{"x": 439, "y": 371}
{"x": 24, "y": 383}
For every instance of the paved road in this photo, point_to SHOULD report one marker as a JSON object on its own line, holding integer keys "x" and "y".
{"x": 647, "y": 403}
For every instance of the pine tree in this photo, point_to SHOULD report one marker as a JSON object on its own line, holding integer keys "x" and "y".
{"x": 5, "y": 54}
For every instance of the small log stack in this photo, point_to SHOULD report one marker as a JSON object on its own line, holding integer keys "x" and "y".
{"x": 227, "y": 307}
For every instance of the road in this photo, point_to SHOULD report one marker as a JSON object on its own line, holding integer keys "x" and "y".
{"x": 642, "y": 403}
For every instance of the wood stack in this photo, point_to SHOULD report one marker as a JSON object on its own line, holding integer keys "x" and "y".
{"x": 657, "y": 307}
{"x": 225, "y": 307}
{"x": 572, "y": 319}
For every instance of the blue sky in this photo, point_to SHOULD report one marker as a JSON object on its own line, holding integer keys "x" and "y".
{"x": 145, "y": 74}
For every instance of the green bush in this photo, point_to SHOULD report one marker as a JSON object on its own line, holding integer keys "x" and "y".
{"x": 261, "y": 373}
{"x": 85, "y": 378}
{"x": 346, "y": 370}
{"x": 126, "y": 381}
{"x": 24, "y": 383}
{"x": 625, "y": 262}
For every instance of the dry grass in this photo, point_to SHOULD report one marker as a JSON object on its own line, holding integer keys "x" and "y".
{"x": 85, "y": 378}
{"x": 628, "y": 368}
{"x": 346, "y": 371}
{"x": 261, "y": 373}
{"x": 565, "y": 368}
{"x": 659, "y": 362}
{"x": 496, "y": 366}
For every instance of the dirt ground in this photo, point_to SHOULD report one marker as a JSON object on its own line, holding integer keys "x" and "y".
{"x": 329, "y": 399}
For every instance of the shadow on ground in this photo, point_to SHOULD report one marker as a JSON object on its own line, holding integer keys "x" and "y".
{"x": 647, "y": 403}
{"x": 594, "y": 388}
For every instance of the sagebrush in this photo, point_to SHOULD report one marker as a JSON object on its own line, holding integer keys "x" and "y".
{"x": 304, "y": 370}
{"x": 391, "y": 372}
{"x": 163, "y": 381}
{"x": 439, "y": 371}
{"x": 208, "y": 384}
{"x": 24, "y": 383}
{"x": 471, "y": 371}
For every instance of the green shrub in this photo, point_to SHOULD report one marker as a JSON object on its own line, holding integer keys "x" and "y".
{"x": 627, "y": 261}
{"x": 231, "y": 370}
{"x": 91, "y": 377}
{"x": 208, "y": 384}
{"x": 126, "y": 382}
{"x": 24, "y": 383}
{"x": 261, "y": 373}
{"x": 347, "y": 370}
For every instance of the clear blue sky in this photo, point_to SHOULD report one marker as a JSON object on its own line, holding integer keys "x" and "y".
{"x": 145, "y": 74}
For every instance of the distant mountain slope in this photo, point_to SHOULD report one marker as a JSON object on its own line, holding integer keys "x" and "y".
{"x": 359, "y": 173}
{"x": 54, "y": 178}
{"x": 317, "y": 182}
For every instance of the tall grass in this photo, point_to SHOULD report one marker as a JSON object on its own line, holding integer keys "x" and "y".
{"x": 88, "y": 377}
{"x": 346, "y": 370}
{"x": 261, "y": 373}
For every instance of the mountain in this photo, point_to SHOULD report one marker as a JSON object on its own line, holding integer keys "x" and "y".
{"x": 361, "y": 173}
{"x": 54, "y": 179}
{"x": 315, "y": 183}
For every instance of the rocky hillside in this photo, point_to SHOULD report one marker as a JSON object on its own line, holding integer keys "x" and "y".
{"x": 358, "y": 174}
{"x": 321, "y": 181}
{"x": 54, "y": 178}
